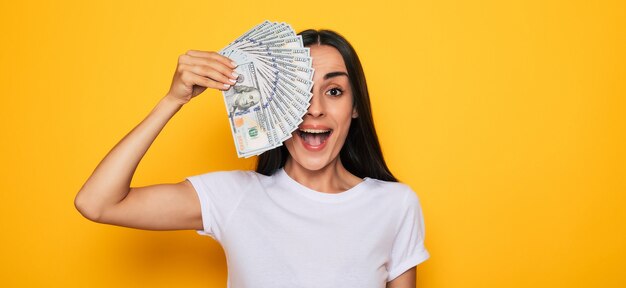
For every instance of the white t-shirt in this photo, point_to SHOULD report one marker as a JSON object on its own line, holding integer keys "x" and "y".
{"x": 278, "y": 233}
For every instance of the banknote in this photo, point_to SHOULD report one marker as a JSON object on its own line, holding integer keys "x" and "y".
{"x": 247, "y": 117}
{"x": 273, "y": 90}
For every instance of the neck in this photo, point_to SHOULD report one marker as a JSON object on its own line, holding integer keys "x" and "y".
{"x": 333, "y": 178}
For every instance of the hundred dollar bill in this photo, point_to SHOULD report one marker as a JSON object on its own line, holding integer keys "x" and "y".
{"x": 265, "y": 100}
{"x": 286, "y": 42}
{"x": 285, "y": 115}
{"x": 250, "y": 32}
{"x": 248, "y": 120}
{"x": 305, "y": 83}
{"x": 262, "y": 32}
{"x": 271, "y": 36}
{"x": 274, "y": 35}
{"x": 282, "y": 103}
{"x": 267, "y": 31}
{"x": 289, "y": 72}
{"x": 289, "y": 52}
{"x": 288, "y": 114}
{"x": 273, "y": 91}
{"x": 300, "y": 61}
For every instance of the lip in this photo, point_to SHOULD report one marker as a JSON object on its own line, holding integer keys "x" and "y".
{"x": 314, "y": 126}
{"x": 313, "y": 148}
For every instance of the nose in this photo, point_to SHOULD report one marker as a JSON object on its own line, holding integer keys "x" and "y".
{"x": 316, "y": 109}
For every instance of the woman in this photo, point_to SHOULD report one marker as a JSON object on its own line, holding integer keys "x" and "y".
{"x": 323, "y": 210}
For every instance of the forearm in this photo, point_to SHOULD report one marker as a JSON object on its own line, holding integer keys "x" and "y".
{"x": 110, "y": 181}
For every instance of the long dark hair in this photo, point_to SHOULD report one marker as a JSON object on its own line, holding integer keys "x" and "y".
{"x": 360, "y": 154}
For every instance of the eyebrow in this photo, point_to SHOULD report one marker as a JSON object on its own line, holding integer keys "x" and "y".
{"x": 334, "y": 74}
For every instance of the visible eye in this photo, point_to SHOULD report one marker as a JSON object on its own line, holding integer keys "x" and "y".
{"x": 334, "y": 92}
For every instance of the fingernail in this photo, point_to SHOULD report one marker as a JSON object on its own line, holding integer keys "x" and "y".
{"x": 234, "y": 63}
{"x": 235, "y": 74}
{"x": 226, "y": 85}
{"x": 233, "y": 80}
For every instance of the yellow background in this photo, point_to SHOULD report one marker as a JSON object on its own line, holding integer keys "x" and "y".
{"x": 506, "y": 117}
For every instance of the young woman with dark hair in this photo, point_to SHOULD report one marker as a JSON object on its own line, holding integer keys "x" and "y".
{"x": 361, "y": 154}
{"x": 323, "y": 210}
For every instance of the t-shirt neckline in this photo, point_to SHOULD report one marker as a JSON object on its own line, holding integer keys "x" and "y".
{"x": 317, "y": 195}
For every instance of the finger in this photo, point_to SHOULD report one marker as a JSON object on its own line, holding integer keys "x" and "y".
{"x": 190, "y": 79}
{"x": 226, "y": 71}
{"x": 205, "y": 71}
{"x": 212, "y": 74}
{"x": 213, "y": 55}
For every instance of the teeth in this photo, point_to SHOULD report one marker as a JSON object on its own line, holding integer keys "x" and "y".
{"x": 315, "y": 131}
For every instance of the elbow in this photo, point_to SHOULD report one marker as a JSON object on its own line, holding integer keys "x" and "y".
{"x": 87, "y": 209}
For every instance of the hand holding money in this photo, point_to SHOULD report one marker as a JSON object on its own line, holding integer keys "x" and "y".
{"x": 273, "y": 86}
{"x": 198, "y": 70}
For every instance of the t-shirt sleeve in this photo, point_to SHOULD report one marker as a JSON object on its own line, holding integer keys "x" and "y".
{"x": 408, "y": 247}
{"x": 219, "y": 193}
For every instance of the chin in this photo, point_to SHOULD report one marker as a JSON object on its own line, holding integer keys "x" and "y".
{"x": 311, "y": 164}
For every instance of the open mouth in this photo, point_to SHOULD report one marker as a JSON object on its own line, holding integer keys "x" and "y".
{"x": 314, "y": 137}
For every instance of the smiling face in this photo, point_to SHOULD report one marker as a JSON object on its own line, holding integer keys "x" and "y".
{"x": 321, "y": 135}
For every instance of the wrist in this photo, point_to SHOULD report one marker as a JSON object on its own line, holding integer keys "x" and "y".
{"x": 168, "y": 106}
{"x": 173, "y": 101}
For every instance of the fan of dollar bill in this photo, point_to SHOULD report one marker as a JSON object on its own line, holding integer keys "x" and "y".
{"x": 272, "y": 92}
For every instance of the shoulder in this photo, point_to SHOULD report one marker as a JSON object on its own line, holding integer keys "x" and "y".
{"x": 396, "y": 189}
{"x": 231, "y": 178}
{"x": 402, "y": 195}
{"x": 227, "y": 174}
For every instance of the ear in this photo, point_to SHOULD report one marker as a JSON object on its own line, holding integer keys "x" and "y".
{"x": 355, "y": 113}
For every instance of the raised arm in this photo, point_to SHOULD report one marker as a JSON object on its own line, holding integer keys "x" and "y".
{"x": 106, "y": 197}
